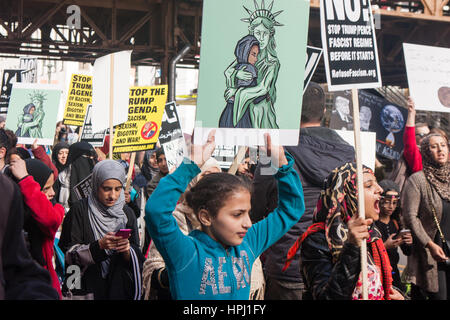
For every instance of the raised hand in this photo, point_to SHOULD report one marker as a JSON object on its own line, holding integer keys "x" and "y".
{"x": 201, "y": 154}
{"x": 276, "y": 153}
{"x": 18, "y": 168}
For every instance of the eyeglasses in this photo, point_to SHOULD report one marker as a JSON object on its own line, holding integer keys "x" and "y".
{"x": 392, "y": 200}
{"x": 421, "y": 135}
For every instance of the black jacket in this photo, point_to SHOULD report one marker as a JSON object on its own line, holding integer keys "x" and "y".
{"x": 20, "y": 277}
{"x": 319, "y": 151}
{"x": 323, "y": 279}
{"x": 120, "y": 282}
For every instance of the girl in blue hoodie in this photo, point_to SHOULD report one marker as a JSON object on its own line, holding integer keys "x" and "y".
{"x": 215, "y": 262}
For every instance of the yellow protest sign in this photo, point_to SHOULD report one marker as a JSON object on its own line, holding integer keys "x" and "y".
{"x": 78, "y": 98}
{"x": 145, "y": 112}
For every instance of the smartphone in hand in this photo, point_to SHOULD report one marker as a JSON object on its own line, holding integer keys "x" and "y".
{"x": 124, "y": 233}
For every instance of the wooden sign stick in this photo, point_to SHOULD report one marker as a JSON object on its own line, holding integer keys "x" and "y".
{"x": 360, "y": 186}
{"x": 80, "y": 134}
{"x": 237, "y": 160}
{"x": 130, "y": 171}
{"x": 111, "y": 107}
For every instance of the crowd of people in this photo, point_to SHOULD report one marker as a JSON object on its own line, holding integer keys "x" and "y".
{"x": 288, "y": 228}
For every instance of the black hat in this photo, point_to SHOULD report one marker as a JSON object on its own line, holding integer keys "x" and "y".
{"x": 38, "y": 170}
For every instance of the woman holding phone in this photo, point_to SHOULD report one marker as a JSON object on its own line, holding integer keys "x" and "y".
{"x": 110, "y": 262}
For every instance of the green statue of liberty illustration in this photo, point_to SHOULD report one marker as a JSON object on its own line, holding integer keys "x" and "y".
{"x": 30, "y": 121}
{"x": 251, "y": 94}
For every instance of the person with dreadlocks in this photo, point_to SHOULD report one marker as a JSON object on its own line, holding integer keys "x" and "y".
{"x": 330, "y": 248}
{"x": 426, "y": 201}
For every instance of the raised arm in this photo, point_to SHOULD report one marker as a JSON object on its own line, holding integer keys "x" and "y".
{"x": 162, "y": 226}
{"x": 291, "y": 204}
{"x": 174, "y": 246}
{"x": 411, "y": 152}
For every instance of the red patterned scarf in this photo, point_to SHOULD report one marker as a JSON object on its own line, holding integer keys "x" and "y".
{"x": 381, "y": 260}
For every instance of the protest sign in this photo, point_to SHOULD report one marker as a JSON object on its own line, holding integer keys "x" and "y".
{"x": 349, "y": 44}
{"x": 351, "y": 62}
{"x": 32, "y": 112}
{"x": 110, "y": 90}
{"x": 29, "y": 66}
{"x": 313, "y": 57}
{"x": 428, "y": 70}
{"x": 171, "y": 137}
{"x": 10, "y": 76}
{"x": 97, "y": 140}
{"x": 225, "y": 155}
{"x": 377, "y": 115}
{"x": 246, "y": 87}
{"x": 79, "y": 96}
{"x": 83, "y": 188}
{"x": 145, "y": 112}
{"x": 368, "y": 145}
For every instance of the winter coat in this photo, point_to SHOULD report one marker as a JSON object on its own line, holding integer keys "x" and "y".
{"x": 47, "y": 218}
{"x": 418, "y": 198}
{"x": 80, "y": 248}
{"x": 323, "y": 279}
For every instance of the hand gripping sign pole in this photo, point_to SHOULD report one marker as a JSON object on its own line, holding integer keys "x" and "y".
{"x": 237, "y": 160}
{"x": 351, "y": 63}
{"x": 360, "y": 187}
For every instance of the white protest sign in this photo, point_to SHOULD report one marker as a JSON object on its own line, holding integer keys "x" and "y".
{"x": 349, "y": 44}
{"x": 351, "y": 62}
{"x": 29, "y": 66}
{"x": 103, "y": 92}
{"x": 428, "y": 70}
{"x": 368, "y": 145}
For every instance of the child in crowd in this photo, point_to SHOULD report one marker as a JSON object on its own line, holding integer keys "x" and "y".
{"x": 215, "y": 262}
{"x": 389, "y": 225}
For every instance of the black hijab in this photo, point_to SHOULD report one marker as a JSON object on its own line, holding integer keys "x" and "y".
{"x": 23, "y": 153}
{"x": 82, "y": 159}
{"x": 58, "y": 147}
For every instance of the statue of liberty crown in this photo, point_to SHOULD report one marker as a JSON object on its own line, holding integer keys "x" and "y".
{"x": 261, "y": 11}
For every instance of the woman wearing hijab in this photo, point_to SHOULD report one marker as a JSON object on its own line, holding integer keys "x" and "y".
{"x": 426, "y": 204}
{"x": 330, "y": 248}
{"x": 110, "y": 265}
{"x": 148, "y": 170}
{"x": 60, "y": 153}
{"x": 42, "y": 217}
{"x": 80, "y": 162}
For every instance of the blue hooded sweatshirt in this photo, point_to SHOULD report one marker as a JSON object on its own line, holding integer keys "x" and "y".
{"x": 199, "y": 267}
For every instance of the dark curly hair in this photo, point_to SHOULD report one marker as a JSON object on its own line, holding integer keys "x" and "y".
{"x": 213, "y": 190}
{"x": 8, "y": 140}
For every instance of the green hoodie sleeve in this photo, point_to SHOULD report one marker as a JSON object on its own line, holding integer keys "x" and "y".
{"x": 174, "y": 246}
{"x": 291, "y": 206}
